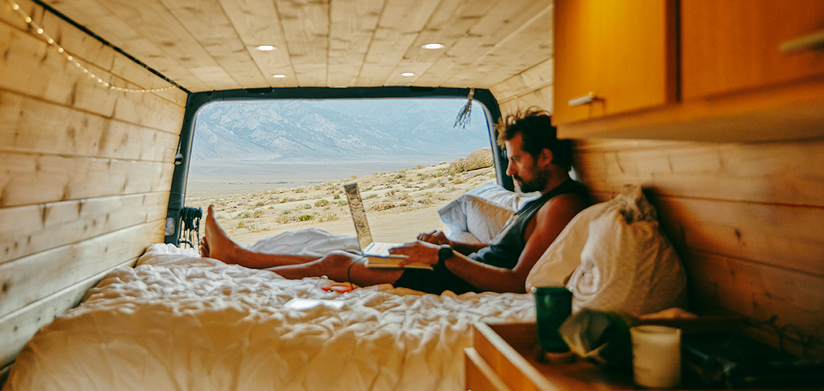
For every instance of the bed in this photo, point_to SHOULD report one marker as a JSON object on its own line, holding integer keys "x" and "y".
{"x": 177, "y": 321}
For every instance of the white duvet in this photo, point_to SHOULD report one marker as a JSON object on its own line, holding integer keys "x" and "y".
{"x": 181, "y": 322}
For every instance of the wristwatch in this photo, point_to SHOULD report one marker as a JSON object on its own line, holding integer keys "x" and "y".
{"x": 444, "y": 252}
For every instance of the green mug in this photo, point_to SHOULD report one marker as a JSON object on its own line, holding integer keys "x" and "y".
{"x": 552, "y": 306}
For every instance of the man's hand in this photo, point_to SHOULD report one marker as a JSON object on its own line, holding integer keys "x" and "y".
{"x": 435, "y": 237}
{"x": 419, "y": 251}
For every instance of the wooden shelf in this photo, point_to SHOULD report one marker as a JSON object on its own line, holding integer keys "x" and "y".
{"x": 775, "y": 113}
{"x": 504, "y": 357}
{"x": 507, "y": 351}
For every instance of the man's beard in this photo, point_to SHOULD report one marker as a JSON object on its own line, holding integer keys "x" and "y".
{"x": 536, "y": 184}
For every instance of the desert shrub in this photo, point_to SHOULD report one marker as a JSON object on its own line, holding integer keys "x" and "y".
{"x": 258, "y": 213}
{"x": 399, "y": 176}
{"x": 383, "y": 206}
{"x": 321, "y": 202}
{"x": 458, "y": 181}
{"x": 343, "y": 203}
{"x": 336, "y": 197}
{"x": 283, "y": 219}
{"x": 328, "y": 216}
{"x": 286, "y": 211}
{"x": 375, "y": 173}
{"x": 305, "y": 217}
{"x": 371, "y": 196}
{"x": 307, "y": 206}
{"x": 420, "y": 174}
{"x": 300, "y": 190}
{"x": 316, "y": 187}
{"x": 420, "y": 166}
{"x": 244, "y": 215}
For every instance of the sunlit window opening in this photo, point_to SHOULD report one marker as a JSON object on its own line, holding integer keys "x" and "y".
{"x": 274, "y": 166}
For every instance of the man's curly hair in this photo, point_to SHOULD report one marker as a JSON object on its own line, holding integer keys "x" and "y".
{"x": 535, "y": 127}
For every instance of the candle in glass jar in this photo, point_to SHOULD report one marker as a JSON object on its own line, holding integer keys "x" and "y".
{"x": 656, "y": 356}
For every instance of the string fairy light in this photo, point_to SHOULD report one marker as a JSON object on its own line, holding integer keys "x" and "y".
{"x": 68, "y": 57}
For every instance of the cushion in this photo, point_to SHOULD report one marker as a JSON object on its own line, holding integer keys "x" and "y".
{"x": 612, "y": 256}
{"x": 482, "y": 211}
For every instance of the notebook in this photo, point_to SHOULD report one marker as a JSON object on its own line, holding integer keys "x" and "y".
{"x": 377, "y": 253}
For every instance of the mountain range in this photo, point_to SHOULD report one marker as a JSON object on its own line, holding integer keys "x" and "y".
{"x": 320, "y": 130}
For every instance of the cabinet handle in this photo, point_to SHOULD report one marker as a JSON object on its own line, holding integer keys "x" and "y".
{"x": 812, "y": 41}
{"x": 584, "y": 100}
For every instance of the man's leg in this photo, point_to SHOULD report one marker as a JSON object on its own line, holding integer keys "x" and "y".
{"x": 216, "y": 244}
{"x": 338, "y": 266}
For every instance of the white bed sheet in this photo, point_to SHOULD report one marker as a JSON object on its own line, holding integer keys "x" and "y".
{"x": 181, "y": 322}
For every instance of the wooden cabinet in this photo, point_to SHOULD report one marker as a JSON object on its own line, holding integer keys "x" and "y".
{"x": 502, "y": 358}
{"x": 734, "y": 82}
{"x": 623, "y": 52}
{"x": 734, "y": 45}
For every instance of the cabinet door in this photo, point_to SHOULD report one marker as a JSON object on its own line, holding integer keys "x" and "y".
{"x": 624, "y": 52}
{"x": 734, "y": 45}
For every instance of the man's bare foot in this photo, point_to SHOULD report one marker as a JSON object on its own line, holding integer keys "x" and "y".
{"x": 216, "y": 244}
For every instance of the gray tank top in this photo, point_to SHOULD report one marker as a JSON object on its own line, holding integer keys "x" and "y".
{"x": 506, "y": 247}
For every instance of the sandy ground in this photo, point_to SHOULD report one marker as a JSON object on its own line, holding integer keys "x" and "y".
{"x": 399, "y": 204}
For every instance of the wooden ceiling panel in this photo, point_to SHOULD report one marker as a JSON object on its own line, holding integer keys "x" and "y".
{"x": 213, "y": 30}
{"x": 111, "y": 27}
{"x": 352, "y": 26}
{"x": 519, "y": 47}
{"x": 152, "y": 19}
{"x": 257, "y": 23}
{"x": 450, "y": 21}
{"x": 306, "y": 28}
{"x": 400, "y": 23}
{"x": 211, "y": 44}
{"x": 501, "y": 20}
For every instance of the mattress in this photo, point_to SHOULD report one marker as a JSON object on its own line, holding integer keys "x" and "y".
{"x": 180, "y": 322}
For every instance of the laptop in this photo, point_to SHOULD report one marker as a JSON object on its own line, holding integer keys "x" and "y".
{"x": 377, "y": 253}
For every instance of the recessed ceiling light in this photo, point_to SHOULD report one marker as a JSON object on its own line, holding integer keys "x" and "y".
{"x": 278, "y": 76}
{"x": 265, "y": 48}
{"x": 433, "y": 46}
{"x": 407, "y": 74}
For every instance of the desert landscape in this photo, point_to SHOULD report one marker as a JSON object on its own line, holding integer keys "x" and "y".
{"x": 399, "y": 204}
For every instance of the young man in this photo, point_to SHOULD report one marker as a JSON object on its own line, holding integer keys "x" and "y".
{"x": 538, "y": 161}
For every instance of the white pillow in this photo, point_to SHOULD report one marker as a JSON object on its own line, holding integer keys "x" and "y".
{"x": 482, "y": 211}
{"x": 612, "y": 256}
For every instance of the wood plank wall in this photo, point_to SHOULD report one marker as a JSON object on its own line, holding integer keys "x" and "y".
{"x": 85, "y": 172}
{"x": 747, "y": 219}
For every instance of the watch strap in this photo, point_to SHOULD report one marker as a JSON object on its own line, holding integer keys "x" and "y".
{"x": 444, "y": 252}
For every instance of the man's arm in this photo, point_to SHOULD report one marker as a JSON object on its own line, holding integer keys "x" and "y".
{"x": 439, "y": 238}
{"x": 541, "y": 232}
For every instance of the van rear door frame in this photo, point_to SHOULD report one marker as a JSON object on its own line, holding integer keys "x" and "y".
{"x": 197, "y": 100}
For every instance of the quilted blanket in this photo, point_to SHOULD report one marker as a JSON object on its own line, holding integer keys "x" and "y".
{"x": 180, "y": 322}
